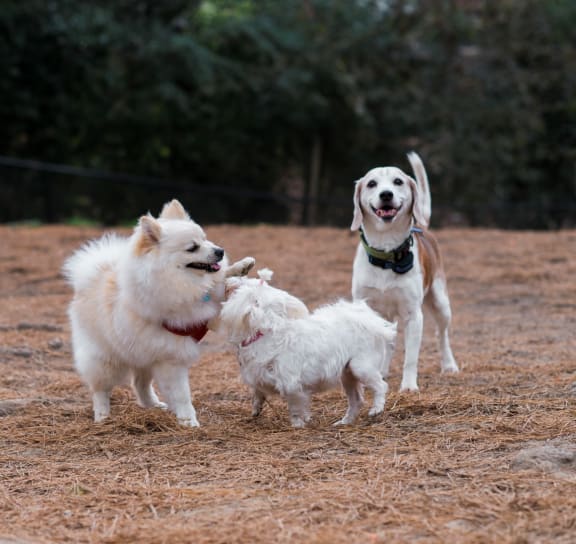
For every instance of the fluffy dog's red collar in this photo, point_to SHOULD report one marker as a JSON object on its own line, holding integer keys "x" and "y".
{"x": 196, "y": 331}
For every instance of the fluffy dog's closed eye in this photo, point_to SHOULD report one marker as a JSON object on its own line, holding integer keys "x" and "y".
{"x": 142, "y": 304}
{"x": 282, "y": 349}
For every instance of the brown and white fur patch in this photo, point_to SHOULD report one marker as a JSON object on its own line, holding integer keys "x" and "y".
{"x": 387, "y": 204}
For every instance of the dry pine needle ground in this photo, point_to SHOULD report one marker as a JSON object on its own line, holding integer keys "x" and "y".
{"x": 488, "y": 455}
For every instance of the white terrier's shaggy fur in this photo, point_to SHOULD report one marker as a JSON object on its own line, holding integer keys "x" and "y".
{"x": 138, "y": 305}
{"x": 282, "y": 349}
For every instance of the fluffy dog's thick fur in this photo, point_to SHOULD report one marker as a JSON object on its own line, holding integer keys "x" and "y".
{"x": 282, "y": 349}
{"x": 140, "y": 306}
{"x": 388, "y": 204}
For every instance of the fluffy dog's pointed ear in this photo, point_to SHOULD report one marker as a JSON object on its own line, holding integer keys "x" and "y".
{"x": 358, "y": 217}
{"x": 173, "y": 210}
{"x": 417, "y": 211}
{"x": 149, "y": 235}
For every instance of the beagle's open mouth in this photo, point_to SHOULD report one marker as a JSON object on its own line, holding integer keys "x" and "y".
{"x": 386, "y": 212}
{"x": 207, "y": 267}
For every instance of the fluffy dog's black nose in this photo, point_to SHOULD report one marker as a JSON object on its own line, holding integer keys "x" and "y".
{"x": 219, "y": 253}
{"x": 386, "y": 196}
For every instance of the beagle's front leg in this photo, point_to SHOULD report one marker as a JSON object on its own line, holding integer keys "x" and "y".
{"x": 412, "y": 340}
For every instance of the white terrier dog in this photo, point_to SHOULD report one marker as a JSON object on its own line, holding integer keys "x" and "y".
{"x": 282, "y": 349}
{"x": 142, "y": 304}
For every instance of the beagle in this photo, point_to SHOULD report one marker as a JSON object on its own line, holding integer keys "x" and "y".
{"x": 398, "y": 266}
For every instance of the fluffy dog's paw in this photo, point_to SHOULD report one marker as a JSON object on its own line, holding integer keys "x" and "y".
{"x": 297, "y": 423}
{"x": 100, "y": 418}
{"x": 241, "y": 267}
{"x": 343, "y": 421}
{"x": 256, "y": 411}
{"x": 410, "y": 387}
{"x": 188, "y": 422}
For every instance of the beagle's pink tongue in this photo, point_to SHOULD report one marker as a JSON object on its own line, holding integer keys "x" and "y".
{"x": 386, "y": 213}
{"x": 215, "y": 267}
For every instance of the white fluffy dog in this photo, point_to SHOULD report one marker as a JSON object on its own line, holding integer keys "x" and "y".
{"x": 398, "y": 266}
{"x": 142, "y": 304}
{"x": 282, "y": 349}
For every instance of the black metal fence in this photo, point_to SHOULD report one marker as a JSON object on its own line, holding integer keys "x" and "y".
{"x": 54, "y": 193}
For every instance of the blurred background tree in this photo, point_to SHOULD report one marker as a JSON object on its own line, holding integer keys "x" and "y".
{"x": 265, "y": 110}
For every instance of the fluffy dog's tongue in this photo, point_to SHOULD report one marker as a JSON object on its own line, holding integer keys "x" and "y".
{"x": 215, "y": 267}
{"x": 390, "y": 212}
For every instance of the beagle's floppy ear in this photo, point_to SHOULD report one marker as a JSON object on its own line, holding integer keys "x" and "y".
{"x": 417, "y": 211}
{"x": 358, "y": 217}
{"x": 173, "y": 210}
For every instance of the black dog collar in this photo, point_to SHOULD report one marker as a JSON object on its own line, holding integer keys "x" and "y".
{"x": 399, "y": 260}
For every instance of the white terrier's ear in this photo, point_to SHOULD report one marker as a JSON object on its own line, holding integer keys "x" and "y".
{"x": 358, "y": 217}
{"x": 173, "y": 210}
{"x": 296, "y": 309}
{"x": 265, "y": 274}
{"x": 417, "y": 212}
{"x": 149, "y": 236}
{"x": 231, "y": 284}
{"x": 255, "y": 317}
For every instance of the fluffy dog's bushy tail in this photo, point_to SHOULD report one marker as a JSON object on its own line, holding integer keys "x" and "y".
{"x": 89, "y": 261}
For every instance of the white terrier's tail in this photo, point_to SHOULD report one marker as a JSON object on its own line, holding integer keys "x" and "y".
{"x": 383, "y": 331}
{"x": 423, "y": 187}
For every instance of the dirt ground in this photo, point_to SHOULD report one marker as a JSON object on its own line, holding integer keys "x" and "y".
{"x": 488, "y": 455}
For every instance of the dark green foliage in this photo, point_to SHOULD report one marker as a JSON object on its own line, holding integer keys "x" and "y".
{"x": 249, "y": 94}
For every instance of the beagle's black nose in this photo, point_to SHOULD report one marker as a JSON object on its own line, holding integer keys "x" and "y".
{"x": 386, "y": 196}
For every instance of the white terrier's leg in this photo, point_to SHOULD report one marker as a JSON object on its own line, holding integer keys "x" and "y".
{"x": 298, "y": 408}
{"x": 439, "y": 305}
{"x": 353, "y": 390}
{"x": 241, "y": 267}
{"x": 145, "y": 394}
{"x": 412, "y": 341}
{"x": 175, "y": 388}
{"x": 387, "y": 359}
{"x": 366, "y": 370}
{"x": 379, "y": 389}
{"x": 257, "y": 403}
